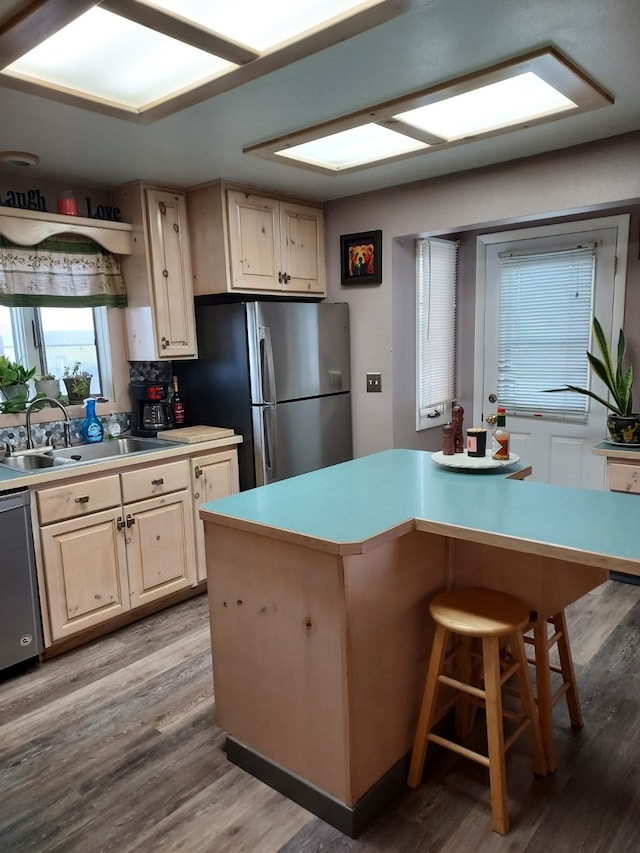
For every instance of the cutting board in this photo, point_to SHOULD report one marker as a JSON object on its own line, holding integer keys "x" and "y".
{"x": 190, "y": 435}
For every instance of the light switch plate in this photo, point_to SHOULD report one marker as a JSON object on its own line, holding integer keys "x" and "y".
{"x": 374, "y": 382}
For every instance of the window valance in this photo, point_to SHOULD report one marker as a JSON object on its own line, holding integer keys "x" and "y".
{"x": 65, "y": 271}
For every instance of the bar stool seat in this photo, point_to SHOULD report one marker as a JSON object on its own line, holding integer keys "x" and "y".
{"x": 546, "y": 700}
{"x": 493, "y": 619}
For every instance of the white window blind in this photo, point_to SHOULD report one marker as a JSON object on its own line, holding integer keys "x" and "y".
{"x": 544, "y": 329}
{"x": 436, "y": 329}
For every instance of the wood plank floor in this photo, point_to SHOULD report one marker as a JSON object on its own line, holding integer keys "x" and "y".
{"x": 112, "y": 747}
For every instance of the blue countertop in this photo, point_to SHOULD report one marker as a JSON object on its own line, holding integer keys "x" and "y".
{"x": 351, "y": 507}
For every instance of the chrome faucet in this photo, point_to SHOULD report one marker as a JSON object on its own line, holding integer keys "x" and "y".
{"x": 66, "y": 426}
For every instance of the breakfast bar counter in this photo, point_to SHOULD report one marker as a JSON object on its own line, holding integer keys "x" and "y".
{"x": 318, "y": 594}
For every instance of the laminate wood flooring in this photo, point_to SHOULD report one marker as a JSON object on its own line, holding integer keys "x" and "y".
{"x": 112, "y": 747}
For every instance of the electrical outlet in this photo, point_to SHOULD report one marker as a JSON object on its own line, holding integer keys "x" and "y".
{"x": 374, "y": 382}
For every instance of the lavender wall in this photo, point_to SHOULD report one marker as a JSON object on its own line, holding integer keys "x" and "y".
{"x": 572, "y": 183}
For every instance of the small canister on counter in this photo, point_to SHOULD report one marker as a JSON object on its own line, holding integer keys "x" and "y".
{"x": 448, "y": 440}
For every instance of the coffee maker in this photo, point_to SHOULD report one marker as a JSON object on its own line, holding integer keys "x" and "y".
{"x": 151, "y": 410}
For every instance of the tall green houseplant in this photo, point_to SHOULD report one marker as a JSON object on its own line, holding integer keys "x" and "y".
{"x": 623, "y": 423}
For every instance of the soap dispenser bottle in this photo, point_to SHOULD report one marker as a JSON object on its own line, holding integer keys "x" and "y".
{"x": 92, "y": 429}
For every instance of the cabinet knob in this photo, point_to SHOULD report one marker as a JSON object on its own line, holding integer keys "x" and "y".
{"x": 164, "y": 343}
{"x": 83, "y": 499}
{"x": 197, "y": 471}
{"x": 157, "y": 482}
{"x": 120, "y": 523}
{"x": 130, "y": 521}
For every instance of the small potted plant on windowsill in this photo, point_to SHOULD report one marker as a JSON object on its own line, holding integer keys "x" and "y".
{"x": 48, "y": 385}
{"x": 13, "y": 385}
{"x": 623, "y": 424}
{"x": 77, "y": 383}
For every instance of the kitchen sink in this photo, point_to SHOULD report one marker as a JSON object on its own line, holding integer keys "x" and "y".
{"x": 105, "y": 449}
{"x": 48, "y": 457}
{"x": 28, "y": 462}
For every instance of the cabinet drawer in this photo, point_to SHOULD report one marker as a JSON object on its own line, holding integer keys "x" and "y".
{"x": 151, "y": 482}
{"x": 77, "y": 499}
{"x": 624, "y": 478}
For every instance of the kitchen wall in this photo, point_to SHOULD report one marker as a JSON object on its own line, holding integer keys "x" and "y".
{"x": 572, "y": 183}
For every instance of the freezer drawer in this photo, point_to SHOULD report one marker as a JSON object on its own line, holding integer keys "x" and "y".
{"x": 301, "y": 436}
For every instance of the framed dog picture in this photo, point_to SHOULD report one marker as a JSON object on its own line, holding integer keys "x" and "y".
{"x": 361, "y": 258}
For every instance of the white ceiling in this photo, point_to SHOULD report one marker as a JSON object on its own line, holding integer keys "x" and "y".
{"x": 435, "y": 40}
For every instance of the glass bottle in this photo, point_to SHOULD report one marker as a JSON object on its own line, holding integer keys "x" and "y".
{"x": 92, "y": 429}
{"x": 177, "y": 405}
{"x": 501, "y": 436}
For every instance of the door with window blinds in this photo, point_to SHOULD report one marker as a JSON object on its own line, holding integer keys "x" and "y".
{"x": 541, "y": 295}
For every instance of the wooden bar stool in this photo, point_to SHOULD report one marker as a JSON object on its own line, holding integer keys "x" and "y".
{"x": 542, "y": 643}
{"x": 487, "y": 616}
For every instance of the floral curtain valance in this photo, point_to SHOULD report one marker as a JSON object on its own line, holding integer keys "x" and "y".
{"x": 67, "y": 271}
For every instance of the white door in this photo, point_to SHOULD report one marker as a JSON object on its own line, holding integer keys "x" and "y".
{"x": 560, "y": 451}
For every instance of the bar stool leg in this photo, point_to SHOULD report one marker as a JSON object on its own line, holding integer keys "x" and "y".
{"x": 568, "y": 673}
{"x": 543, "y": 690}
{"x": 495, "y": 735}
{"x": 427, "y": 708}
{"x": 540, "y": 765}
{"x": 464, "y": 719}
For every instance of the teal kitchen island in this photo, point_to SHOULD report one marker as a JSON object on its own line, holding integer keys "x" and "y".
{"x": 318, "y": 594}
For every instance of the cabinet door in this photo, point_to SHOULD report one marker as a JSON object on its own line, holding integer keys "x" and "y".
{"x": 302, "y": 248}
{"x": 253, "y": 242}
{"x": 160, "y": 546}
{"x": 85, "y": 572}
{"x": 171, "y": 281}
{"x": 214, "y": 476}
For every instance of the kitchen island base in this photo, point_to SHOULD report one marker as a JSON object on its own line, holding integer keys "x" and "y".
{"x": 321, "y": 639}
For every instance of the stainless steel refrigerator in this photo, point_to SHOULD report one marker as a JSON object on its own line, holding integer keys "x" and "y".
{"x": 278, "y": 373}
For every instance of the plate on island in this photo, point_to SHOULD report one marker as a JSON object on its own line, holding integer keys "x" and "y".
{"x": 621, "y": 444}
{"x": 473, "y": 463}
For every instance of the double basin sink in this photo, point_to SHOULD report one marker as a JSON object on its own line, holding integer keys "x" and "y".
{"x": 48, "y": 457}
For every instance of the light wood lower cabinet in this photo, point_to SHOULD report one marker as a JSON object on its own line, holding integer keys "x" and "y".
{"x": 623, "y": 476}
{"x": 98, "y": 563}
{"x": 86, "y": 571}
{"x": 160, "y": 547}
{"x": 214, "y": 475}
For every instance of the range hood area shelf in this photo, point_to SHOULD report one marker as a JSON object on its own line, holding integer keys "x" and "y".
{"x": 30, "y": 227}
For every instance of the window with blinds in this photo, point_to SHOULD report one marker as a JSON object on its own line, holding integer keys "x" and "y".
{"x": 436, "y": 274}
{"x": 544, "y": 331}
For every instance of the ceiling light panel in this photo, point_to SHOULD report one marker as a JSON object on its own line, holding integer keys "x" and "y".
{"x": 518, "y": 99}
{"x": 518, "y": 93}
{"x": 352, "y": 148}
{"x": 129, "y": 64}
{"x": 258, "y": 24}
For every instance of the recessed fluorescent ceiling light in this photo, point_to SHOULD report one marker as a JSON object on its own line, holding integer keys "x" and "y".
{"x": 354, "y": 147}
{"x": 139, "y": 60}
{"x": 521, "y": 92}
{"x": 256, "y": 23}
{"x": 521, "y": 98}
{"x": 111, "y": 58}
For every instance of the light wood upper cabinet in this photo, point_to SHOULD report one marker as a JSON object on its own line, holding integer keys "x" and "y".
{"x": 160, "y": 318}
{"x": 246, "y": 242}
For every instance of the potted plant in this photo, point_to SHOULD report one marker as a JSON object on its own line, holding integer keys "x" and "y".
{"x": 622, "y": 422}
{"x": 13, "y": 384}
{"x": 77, "y": 383}
{"x": 48, "y": 385}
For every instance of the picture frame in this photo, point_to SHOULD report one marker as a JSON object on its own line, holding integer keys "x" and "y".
{"x": 361, "y": 258}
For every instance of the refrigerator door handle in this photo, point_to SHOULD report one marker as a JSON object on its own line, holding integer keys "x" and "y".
{"x": 270, "y": 422}
{"x": 266, "y": 366}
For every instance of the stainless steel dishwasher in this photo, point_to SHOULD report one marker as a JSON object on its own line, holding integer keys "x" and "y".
{"x": 20, "y": 625}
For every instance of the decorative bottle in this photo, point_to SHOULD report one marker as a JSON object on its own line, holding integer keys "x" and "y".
{"x": 177, "y": 405}
{"x": 457, "y": 413}
{"x": 92, "y": 429}
{"x": 501, "y": 436}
